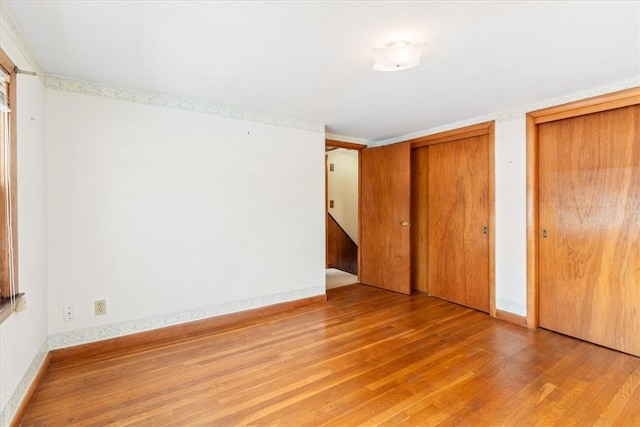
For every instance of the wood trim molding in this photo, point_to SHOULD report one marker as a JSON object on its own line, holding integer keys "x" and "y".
{"x": 359, "y": 242}
{"x": 492, "y": 219}
{"x": 350, "y": 146}
{"x": 173, "y": 333}
{"x": 343, "y": 144}
{"x": 22, "y": 409}
{"x": 511, "y": 318}
{"x": 5, "y": 260}
{"x": 326, "y": 210}
{"x": 532, "y": 223}
{"x": 342, "y": 251}
{"x": 596, "y": 104}
{"x": 610, "y": 101}
{"x": 453, "y": 135}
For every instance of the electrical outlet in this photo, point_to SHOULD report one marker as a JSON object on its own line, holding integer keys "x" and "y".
{"x": 100, "y": 306}
{"x": 68, "y": 313}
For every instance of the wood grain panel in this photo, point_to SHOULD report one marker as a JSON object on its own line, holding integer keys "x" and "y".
{"x": 609, "y": 101}
{"x": 458, "y": 209}
{"x": 589, "y": 265}
{"x": 366, "y": 357}
{"x": 342, "y": 252}
{"x": 453, "y": 135}
{"x": 419, "y": 219}
{"x": 385, "y": 195}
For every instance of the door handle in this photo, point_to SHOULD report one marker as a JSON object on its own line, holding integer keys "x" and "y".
{"x": 405, "y": 223}
{"x": 485, "y": 230}
{"x": 544, "y": 234}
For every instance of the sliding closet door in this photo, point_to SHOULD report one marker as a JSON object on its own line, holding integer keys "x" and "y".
{"x": 589, "y": 219}
{"x": 458, "y": 215}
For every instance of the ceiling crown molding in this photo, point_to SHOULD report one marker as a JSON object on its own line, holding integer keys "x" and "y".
{"x": 8, "y": 24}
{"x": 139, "y": 96}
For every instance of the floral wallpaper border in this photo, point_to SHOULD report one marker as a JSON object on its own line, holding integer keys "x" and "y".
{"x": 11, "y": 408}
{"x": 139, "y": 96}
{"x": 102, "y": 332}
{"x": 511, "y": 307}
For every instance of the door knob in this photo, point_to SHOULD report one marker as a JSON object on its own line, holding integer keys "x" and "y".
{"x": 485, "y": 230}
{"x": 405, "y": 223}
{"x": 544, "y": 234}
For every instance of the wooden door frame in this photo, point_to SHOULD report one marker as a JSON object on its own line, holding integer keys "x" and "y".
{"x": 480, "y": 129}
{"x": 597, "y": 104}
{"x": 349, "y": 146}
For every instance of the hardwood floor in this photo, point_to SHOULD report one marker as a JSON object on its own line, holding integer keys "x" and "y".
{"x": 365, "y": 357}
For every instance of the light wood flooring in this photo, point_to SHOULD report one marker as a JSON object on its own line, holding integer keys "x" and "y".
{"x": 365, "y": 357}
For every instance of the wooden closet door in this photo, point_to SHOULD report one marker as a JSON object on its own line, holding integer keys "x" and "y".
{"x": 384, "y": 217}
{"x": 458, "y": 211}
{"x": 589, "y": 210}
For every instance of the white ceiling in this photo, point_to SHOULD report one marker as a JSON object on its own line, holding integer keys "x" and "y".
{"x": 312, "y": 60}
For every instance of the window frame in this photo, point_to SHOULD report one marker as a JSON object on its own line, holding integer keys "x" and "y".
{"x": 8, "y": 191}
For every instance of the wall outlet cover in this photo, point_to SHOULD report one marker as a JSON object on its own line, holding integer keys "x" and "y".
{"x": 68, "y": 313}
{"x": 100, "y": 307}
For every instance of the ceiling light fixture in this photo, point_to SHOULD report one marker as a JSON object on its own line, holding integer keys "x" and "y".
{"x": 398, "y": 55}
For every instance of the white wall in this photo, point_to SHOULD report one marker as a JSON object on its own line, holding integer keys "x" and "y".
{"x": 511, "y": 215}
{"x": 173, "y": 215}
{"x": 342, "y": 186}
{"x": 23, "y": 335}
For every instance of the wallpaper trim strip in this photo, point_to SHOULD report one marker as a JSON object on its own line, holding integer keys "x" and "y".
{"x": 511, "y": 307}
{"x": 102, "y": 332}
{"x": 139, "y": 96}
{"x": 11, "y": 408}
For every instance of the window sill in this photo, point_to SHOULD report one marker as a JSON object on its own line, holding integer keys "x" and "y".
{"x": 6, "y": 308}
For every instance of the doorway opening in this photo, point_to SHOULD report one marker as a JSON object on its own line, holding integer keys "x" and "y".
{"x": 342, "y": 201}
